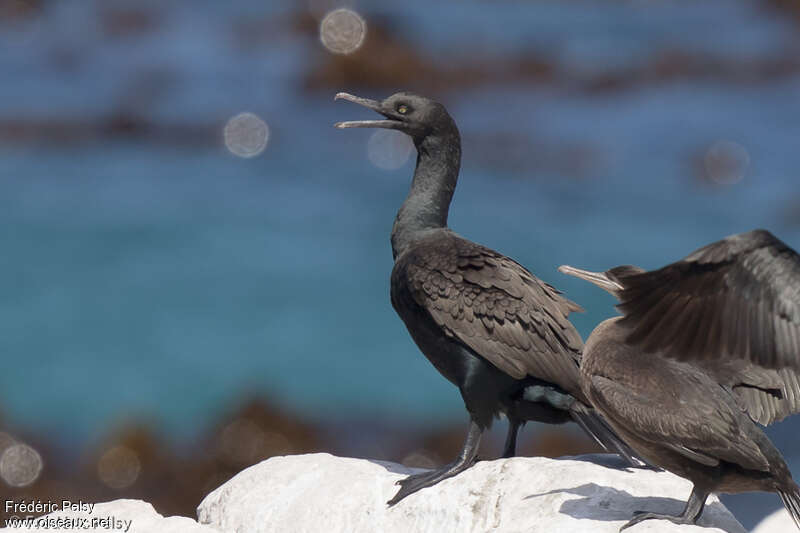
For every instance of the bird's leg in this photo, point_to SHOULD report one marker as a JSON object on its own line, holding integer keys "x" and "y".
{"x": 415, "y": 482}
{"x": 694, "y": 507}
{"x": 510, "y": 448}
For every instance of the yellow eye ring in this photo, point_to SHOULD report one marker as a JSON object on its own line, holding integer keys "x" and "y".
{"x": 402, "y": 109}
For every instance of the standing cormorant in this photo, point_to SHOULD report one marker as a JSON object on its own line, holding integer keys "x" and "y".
{"x": 706, "y": 347}
{"x": 488, "y": 325}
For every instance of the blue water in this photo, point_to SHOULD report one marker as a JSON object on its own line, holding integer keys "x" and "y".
{"x": 164, "y": 280}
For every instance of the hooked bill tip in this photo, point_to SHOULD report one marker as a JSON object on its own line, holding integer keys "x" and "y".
{"x": 600, "y": 279}
{"x": 579, "y": 272}
{"x": 339, "y": 96}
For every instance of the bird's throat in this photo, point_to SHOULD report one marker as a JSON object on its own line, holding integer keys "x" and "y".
{"x": 428, "y": 201}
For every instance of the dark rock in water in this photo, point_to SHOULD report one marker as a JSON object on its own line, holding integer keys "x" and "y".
{"x": 122, "y": 125}
{"x": 14, "y": 10}
{"x": 387, "y": 60}
{"x": 787, "y": 7}
{"x": 128, "y": 22}
{"x": 384, "y": 60}
{"x": 258, "y": 431}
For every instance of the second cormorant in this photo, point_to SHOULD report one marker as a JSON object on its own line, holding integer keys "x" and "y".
{"x": 706, "y": 347}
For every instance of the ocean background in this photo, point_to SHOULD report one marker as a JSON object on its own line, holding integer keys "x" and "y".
{"x": 150, "y": 274}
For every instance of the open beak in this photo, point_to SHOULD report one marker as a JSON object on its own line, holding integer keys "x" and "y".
{"x": 369, "y": 104}
{"x": 598, "y": 278}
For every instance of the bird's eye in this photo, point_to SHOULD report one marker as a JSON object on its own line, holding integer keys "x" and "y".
{"x": 402, "y": 109}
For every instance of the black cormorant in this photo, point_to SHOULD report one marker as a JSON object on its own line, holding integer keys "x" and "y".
{"x": 706, "y": 347}
{"x": 488, "y": 325}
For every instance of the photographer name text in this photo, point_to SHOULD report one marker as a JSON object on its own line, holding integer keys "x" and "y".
{"x": 39, "y": 506}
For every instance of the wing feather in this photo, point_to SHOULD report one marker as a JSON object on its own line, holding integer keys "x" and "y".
{"x": 738, "y": 297}
{"x": 495, "y": 307}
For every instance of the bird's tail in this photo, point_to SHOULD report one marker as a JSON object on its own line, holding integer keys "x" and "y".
{"x": 791, "y": 500}
{"x": 597, "y": 428}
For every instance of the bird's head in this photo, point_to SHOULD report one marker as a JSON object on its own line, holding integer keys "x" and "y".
{"x": 414, "y": 115}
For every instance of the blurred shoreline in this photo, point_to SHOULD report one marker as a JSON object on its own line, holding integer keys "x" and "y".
{"x": 135, "y": 460}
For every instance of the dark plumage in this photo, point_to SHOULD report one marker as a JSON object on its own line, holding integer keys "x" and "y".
{"x": 705, "y": 349}
{"x": 489, "y": 326}
{"x": 735, "y": 298}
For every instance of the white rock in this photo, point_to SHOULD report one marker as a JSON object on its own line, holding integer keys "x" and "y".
{"x": 322, "y": 493}
{"x": 777, "y": 522}
{"x": 131, "y": 516}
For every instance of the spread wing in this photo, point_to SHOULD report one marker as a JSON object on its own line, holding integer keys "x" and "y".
{"x": 692, "y": 416}
{"x": 495, "y": 307}
{"x": 735, "y": 298}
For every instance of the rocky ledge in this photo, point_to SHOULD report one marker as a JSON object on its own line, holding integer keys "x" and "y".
{"x": 322, "y": 493}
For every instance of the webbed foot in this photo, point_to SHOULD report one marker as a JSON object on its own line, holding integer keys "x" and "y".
{"x": 466, "y": 458}
{"x": 692, "y": 511}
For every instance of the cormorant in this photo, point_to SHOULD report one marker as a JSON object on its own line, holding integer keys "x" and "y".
{"x": 706, "y": 347}
{"x": 488, "y": 325}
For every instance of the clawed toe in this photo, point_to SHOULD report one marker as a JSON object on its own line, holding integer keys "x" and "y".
{"x": 412, "y": 484}
{"x": 638, "y": 516}
{"x": 641, "y": 516}
{"x": 415, "y": 482}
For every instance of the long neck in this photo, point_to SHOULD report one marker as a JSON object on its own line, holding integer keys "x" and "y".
{"x": 428, "y": 201}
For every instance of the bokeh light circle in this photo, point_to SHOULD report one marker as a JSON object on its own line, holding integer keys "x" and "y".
{"x": 241, "y": 441}
{"x": 342, "y": 31}
{"x": 389, "y": 149}
{"x": 726, "y": 162}
{"x": 246, "y": 135}
{"x": 20, "y": 465}
{"x": 244, "y": 442}
{"x": 119, "y": 467}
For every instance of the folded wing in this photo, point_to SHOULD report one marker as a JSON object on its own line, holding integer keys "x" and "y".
{"x": 692, "y": 416}
{"x": 498, "y": 309}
